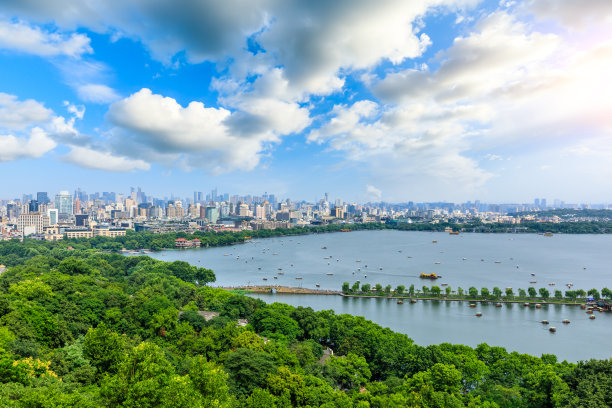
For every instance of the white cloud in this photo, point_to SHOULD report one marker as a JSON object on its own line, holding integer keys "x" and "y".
{"x": 19, "y": 36}
{"x": 97, "y": 93}
{"x": 373, "y": 193}
{"x": 18, "y": 115}
{"x": 99, "y": 160}
{"x": 160, "y": 129}
{"x": 575, "y": 14}
{"x": 37, "y": 144}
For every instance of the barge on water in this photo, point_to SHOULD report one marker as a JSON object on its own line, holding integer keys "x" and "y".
{"x": 429, "y": 276}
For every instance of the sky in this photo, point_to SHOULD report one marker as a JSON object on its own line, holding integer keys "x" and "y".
{"x": 392, "y": 100}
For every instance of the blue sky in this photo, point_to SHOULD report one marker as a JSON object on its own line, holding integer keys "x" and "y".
{"x": 391, "y": 100}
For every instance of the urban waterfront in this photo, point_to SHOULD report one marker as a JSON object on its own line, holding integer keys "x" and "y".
{"x": 503, "y": 260}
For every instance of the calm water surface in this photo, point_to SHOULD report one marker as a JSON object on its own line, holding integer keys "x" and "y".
{"x": 396, "y": 257}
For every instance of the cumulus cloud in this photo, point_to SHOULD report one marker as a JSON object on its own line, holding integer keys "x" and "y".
{"x": 23, "y": 37}
{"x": 97, "y": 93}
{"x": 573, "y": 14}
{"x": 37, "y": 144}
{"x": 196, "y": 136}
{"x": 18, "y": 115}
{"x": 100, "y": 160}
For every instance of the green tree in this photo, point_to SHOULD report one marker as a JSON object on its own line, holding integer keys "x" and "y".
{"x": 447, "y": 290}
{"x": 460, "y": 291}
{"x": 544, "y": 293}
{"x": 594, "y": 292}
{"x": 355, "y": 287}
{"x": 379, "y": 288}
{"x": 606, "y": 293}
{"x": 509, "y": 293}
{"x": 558, "y": 294}
{"x": 388, "y": 289}
{"x": 346, "y": 288}
{"x": 366, "y": 288}
{"x": 435, "y": 290}
{"x": 400, "y": 289}
{"x": 473, "y": 292}
{"x": 248, "y": 370}
{"x": 347, "y": 372}
{"x": 532, "y": 292}
{"x": 497, "y": 292}
{"x": 522, "y": 293}
{"x": 484, "y": 292}
{"x": 104, "y": 348}
{"x": 411, "y": 290}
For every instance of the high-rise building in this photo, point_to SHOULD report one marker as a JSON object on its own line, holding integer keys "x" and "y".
{"x": 42, "y": 197}
{"x": 211, "y": 214}
{"x": 53, "y": 215}
{"x": 33, "y": 206}
{"x": 32, "y": 223}
{"x": 63, "y": 203}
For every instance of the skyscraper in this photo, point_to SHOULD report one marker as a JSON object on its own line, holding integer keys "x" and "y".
{"x": 42, "y": 197}
{"x": 63, "y": 204}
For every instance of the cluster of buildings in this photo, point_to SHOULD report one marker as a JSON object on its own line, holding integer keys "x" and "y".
{"x": 81, "y": 215}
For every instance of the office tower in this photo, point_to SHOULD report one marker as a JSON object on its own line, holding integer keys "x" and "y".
{"x": 327, "y": 197}
{"x": 543, "y": 202}
{"x": 536, "y": 203}
{"x": 42, "y": 197}
{"x": 213, "y": 194}
{"x": 211, "y": 214}
{"x": 53, "y": 215}
{"x": 63, "y": 203}
{"x": 33, "y": 206}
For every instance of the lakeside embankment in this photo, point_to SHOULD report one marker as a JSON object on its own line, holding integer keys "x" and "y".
{"x": 309, "y": 291}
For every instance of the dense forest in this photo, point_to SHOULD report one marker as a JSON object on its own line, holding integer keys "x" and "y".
{"x": 85, "y": 328}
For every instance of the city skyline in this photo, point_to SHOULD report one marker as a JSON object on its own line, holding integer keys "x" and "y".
{"x": 394, "y": 101}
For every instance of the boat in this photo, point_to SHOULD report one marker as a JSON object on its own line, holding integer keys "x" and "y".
{"x": 565, "y": 321}
{"x": 551, "y": 284}
{"x": 552, "y": 329}
{"x": 538, "y": 306}
{"x": 358, "y": 260}
{"x": 592, "y": 317}
{"x": 479, "y": 314}
{"x": 324, "y": 247}
{"x": 276, "y": 277}
{"x": 280, "y": 269}
{"x": 380, "y": 269}
{"x": 429, "y": 276}
{"x": 453, "y": 232}
{"x": 465, "y": 259}
{"x": 400, "y": 302}
{"x": 298, "y": 277}
{"x": 544, "y": 322}
{"x": 533, "y": 282}
{"x": 548, "y": 234}
{"x": 265, "y": 278}
{"x": 317, "y": 285}
{"x": 525, "y": 304}
{"x": 413, "y": 300}
{"x": 472, "y": 305}
{"x": 437, "y": 263}
{"x": 498, "y": 305}
{"x": 444, "y": 284}
{"x": 533, "y": 274}
{"x": 497, "y": 261}
{"x": 434, "y": 241}
{"x": 329, "y": 274}
{"x": 281, "y": 273}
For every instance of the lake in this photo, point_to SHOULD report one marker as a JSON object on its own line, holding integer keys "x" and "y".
{"x": 398, "y": 257}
